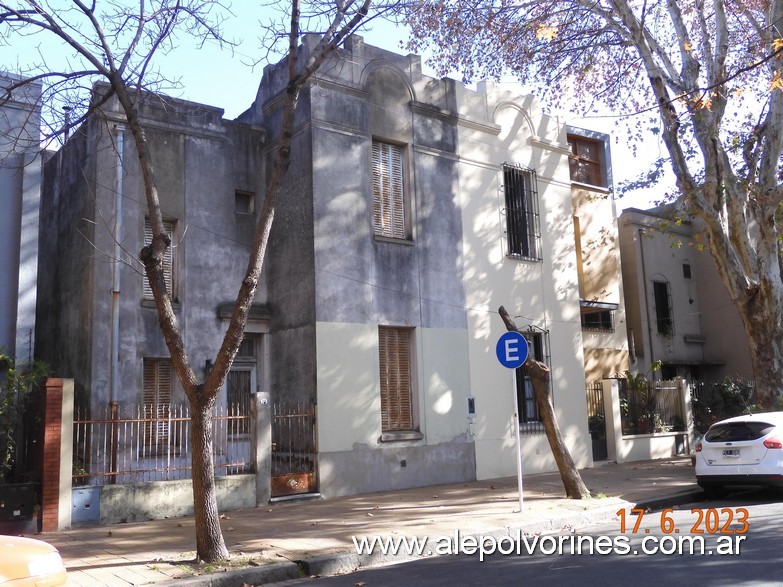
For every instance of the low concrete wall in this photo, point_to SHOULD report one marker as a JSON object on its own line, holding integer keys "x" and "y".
{"x": 643, "y": 447}
{"x": 156, "y": 500}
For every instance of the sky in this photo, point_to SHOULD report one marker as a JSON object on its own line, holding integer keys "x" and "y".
{"x": 229, "y": 79}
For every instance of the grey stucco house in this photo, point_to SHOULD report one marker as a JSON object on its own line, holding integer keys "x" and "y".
{"x": 20, "y": 178}
{"x": 414, "y": 207}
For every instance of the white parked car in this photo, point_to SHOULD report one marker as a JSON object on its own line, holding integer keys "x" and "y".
{"x": 744, "y": 450}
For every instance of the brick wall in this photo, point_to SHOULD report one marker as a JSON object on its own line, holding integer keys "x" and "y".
{"x": 50, "y": 476}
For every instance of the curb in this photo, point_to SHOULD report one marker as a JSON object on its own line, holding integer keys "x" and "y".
{"x": 326, "y": 565}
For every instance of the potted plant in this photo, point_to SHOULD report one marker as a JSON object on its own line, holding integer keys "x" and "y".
{"x": 596, "y": 424}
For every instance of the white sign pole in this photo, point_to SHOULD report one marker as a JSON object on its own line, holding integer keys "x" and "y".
{"x": 519, "y": 440}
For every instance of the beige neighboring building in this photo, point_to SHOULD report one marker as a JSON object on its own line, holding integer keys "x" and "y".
{"x": 679, "y": 311}
{"x": 601, "y": 304}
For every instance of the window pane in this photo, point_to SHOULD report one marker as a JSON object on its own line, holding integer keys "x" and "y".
{"x": 585, "y": 161}
{"x": 244, "y": 202}
{"x": 663, "y": 309}
{"x": 528, "y": 410}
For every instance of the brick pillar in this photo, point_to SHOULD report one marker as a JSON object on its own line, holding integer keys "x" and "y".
{"x": 57, "y": 455}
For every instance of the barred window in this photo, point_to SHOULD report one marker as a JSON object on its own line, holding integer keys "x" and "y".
{"x": 522, "y": 218}
{"x": 538, "y": 348}
{"x": 664, "y": 319}
{"x": 598, "y": 321}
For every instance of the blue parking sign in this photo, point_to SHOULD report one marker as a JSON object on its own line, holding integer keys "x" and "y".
{"x": 512, "y": 350}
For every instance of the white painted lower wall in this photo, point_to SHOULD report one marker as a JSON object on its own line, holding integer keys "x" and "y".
{"x": 352, "y": 459}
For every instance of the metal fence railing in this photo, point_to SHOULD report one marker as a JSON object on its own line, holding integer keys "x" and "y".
{"x": 134, "y": 444}
{"x": 651, "y": 407}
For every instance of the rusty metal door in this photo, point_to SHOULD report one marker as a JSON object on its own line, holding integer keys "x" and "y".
{"x": 294, "y": 450}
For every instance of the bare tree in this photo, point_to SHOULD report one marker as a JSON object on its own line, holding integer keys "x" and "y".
{"x": 705, "y": 77}
{"x": 118, "y": 44}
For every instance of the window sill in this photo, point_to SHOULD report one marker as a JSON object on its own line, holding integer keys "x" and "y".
{"x": 147, "y": 303}
{"x": 532, "y": 429}
{"x": 514, "y": 257}
{"x": 590, "y": 186}
{"x": 397, "y": 241}
{"x": 401, "y": 436}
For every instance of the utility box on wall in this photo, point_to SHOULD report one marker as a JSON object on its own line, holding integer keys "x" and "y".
{"x": 86, "y": 505}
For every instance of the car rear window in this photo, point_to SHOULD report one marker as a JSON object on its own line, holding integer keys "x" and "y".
{"x": 736, "y": 431}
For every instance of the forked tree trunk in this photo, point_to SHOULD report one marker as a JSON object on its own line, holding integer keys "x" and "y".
{"x": 539, "y": 374}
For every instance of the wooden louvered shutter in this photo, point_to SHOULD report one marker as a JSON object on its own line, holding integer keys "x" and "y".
{"x": 396, "y": 398}
{"x": 168, "y": 260}
{"x": 388, "y": 192}
{"x": 156, "y": 399}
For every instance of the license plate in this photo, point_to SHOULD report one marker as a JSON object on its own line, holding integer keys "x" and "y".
{"x": 731, "y": 452}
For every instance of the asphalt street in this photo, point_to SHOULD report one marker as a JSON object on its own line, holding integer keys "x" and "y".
{"x": 734, "y": 541}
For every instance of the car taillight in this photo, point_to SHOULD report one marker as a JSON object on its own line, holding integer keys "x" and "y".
{"x": 698, "y": 447}
{"x": 773, "y": 443}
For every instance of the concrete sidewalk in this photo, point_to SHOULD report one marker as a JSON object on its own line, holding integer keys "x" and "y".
{"x": 285, "y": 540}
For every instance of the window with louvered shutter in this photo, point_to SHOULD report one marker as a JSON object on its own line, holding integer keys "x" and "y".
{"x": 156, "y": 399}
{"x": 396, "y": 390}
{"x": 388, "y": 191}
{"x": 168, "y": 260}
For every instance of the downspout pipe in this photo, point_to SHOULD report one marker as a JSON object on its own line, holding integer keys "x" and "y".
{"x": 119, "y": 131}
{"x": 642, "y": 234}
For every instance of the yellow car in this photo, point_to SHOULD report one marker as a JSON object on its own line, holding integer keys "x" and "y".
{"x": 26, "y": 562}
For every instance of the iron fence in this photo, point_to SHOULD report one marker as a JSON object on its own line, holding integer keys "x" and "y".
{"x": 651, "y": 407}
{"x": 135, "y": 444}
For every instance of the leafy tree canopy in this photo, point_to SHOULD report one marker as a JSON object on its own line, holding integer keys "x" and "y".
{"x": 705, "y": 78}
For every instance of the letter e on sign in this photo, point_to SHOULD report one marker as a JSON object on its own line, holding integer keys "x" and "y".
{"x": 512, "y": 350}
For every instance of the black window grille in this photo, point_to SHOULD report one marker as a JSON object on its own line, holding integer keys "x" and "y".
{"x": 663, "y": 308}
{"x": 522, "y": 216}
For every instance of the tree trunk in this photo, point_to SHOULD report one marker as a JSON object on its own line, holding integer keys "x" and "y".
{"x": 210, "y": 545}
{"x": 572, "y": 480}
{"x": 539, "y": 374}
{"x": 762, "y": 319}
